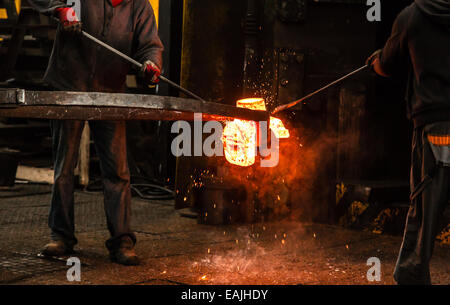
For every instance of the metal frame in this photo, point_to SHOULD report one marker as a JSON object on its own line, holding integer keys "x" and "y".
{"x": 64, "y": 105}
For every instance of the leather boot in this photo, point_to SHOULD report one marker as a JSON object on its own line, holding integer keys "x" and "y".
{"x": 57, "y": 248}
{"x": 125, "y": 254}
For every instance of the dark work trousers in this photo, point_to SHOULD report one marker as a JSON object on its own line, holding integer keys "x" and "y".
{"x": 430, "y": 188}
{"x": 110, "y": 143}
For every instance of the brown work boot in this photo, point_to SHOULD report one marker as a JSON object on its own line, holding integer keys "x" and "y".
{"x": 57, "y": 248}
{"x": 125, "y": 254}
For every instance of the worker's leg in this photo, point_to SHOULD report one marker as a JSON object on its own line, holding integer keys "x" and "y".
{"x": 430, "y": 184}
{"x": 66, "y": 138}
{"x": 110, "y": 143}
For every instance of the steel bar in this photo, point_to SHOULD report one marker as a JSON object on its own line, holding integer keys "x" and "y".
{"x": 115, "y": 106}
{"x": 292, "y": 104}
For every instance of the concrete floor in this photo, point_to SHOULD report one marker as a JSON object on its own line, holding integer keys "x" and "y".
{"x": 176, "y": 250}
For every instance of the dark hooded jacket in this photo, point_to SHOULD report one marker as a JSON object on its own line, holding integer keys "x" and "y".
{"x": 420, "y": 44}
{"x": 78, "y": 64}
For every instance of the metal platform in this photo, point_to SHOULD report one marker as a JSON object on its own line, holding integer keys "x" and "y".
{"x": 63, "y": 105}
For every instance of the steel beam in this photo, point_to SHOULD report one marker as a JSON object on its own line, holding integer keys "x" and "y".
{"x": 65, "y": 105}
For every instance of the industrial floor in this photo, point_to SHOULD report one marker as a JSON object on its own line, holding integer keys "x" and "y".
{"x": 176, "y": 250}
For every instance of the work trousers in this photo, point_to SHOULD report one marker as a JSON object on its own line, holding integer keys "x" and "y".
{"x": 110, "y": 143}
{"x": 430, "y": 188}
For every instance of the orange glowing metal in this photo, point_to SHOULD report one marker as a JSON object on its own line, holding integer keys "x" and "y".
{"x": 239, "y": 142}
{"x": 277, "y": 126}
{"x": 252, "y": 103}
{"x": 239, "y": 136}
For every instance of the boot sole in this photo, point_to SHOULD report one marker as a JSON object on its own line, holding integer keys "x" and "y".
{"x": 56, "y": 254}
{"x": 113, "y": 259}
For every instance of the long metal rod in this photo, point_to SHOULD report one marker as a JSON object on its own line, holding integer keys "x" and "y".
{"x": 65, "y": 105}
{"x": 292, "y": 104}
{"x": 139, "y": 65}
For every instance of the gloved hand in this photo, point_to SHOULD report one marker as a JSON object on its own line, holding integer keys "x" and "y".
{"x": 151, "y": 72}
{"x": 116, "y": 2}
{"x": 374, "y": 63}
{"x": 372, "y": 58}
{"x": 69, "y": 20}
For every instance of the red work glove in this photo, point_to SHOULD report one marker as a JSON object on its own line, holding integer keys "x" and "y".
{"x": 372, "y": 58}
{"x": 151, "y": 72}
{"x": 68, "y": 19}
{"x": 116, "y": 2}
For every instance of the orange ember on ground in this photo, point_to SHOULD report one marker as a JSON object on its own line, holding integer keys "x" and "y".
{"x": 239, "y": 136}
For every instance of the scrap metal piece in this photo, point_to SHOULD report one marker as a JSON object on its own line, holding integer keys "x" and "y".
{"x": 115, "y": 106}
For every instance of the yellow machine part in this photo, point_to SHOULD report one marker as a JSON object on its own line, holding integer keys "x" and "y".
{"x": 155, "y": 5}
{"x": 18, "y": 6}
{"x": 4, "y": 12}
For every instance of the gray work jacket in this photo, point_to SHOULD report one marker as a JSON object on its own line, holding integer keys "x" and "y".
{"x": 79, "y": 64}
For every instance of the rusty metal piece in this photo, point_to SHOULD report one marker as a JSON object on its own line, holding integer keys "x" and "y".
{"x": 115, "y": 106}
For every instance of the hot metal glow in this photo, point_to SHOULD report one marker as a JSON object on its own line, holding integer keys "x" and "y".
{"x": 239, "y": 142}
{"x": 277, "y": 126}
{"x": 239, "y": 136}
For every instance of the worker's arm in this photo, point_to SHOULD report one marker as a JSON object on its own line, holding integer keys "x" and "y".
{"x": 66, "y": 15}
{"x": 393, "y": 59}
{"x": 47, "y": 6}
{"x": 148, "y": 44}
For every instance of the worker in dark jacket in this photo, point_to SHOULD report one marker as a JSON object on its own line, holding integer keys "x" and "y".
{"x": 419, "y": 48}
{"x": 78, "y": 64}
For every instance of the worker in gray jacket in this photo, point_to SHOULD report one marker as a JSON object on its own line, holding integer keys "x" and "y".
{"x": 419, "y": 48}
{"x": 78, "y": 64}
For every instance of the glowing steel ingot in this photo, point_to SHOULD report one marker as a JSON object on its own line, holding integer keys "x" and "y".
{"x": 239, "y": 142}
{"x": 277, "y": 126}
{"x": 239, "y": 136}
